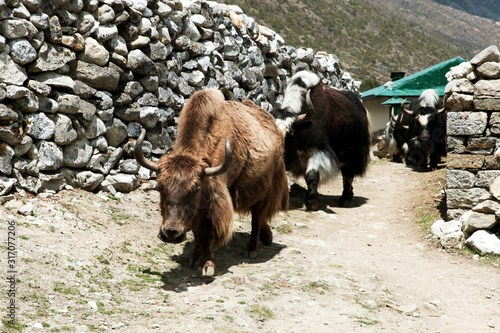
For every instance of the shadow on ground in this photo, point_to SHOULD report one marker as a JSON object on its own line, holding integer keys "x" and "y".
{"x": 326, "y": 202}
{"x": 179, "y": 279}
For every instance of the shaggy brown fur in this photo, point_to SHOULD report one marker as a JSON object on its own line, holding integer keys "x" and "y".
{"x": 255, "y": 183}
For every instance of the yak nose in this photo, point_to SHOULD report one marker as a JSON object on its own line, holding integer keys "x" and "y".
{"x": 171, "y": 235}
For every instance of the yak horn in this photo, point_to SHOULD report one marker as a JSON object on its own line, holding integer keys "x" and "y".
{"x": 226, "y": 164}
{"x": 139, "y": 155}
{"x": 393, "y": 116}
{"x": 408, "y": 111}
{"x": 406, "y": 127}
{"x": 302, "y": 118}
{"x": 440, "y": 110}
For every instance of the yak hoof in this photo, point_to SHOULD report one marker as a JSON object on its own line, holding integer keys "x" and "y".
{"x": 251, "y": 254}
{"x": 208, "y": 269}
{"x": 344, "y": 203}
{"x": 312, "y": 206}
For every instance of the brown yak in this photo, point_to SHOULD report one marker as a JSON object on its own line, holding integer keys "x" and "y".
{"x": 228, "y": 157}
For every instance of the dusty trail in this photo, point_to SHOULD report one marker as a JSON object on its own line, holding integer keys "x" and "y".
{"x": 89, "y": 262}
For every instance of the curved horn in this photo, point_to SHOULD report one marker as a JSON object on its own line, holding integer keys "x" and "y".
{"x": 408, "y": 111}
{"x": 406, "y": 127}
{"x": 440, "y": 110}
{"x": 302, "y": 118}
{"x": 393, "y": 116}
{"x": 226, "y": 164}
{"x": 139, "y": 155}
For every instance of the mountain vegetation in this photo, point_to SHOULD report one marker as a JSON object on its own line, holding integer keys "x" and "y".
{"x": 372, "y": 38}
{"x": 485, "y": 8}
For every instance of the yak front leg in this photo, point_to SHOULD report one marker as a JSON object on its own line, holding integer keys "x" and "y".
{"x": 206, "y": 242}
{"x": 347, "y": 192}
{"x": 312, "y": 196}
{"x": 260, "y": 231}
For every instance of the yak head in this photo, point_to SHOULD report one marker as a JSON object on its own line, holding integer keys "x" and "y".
{"x": 181, "y": 178}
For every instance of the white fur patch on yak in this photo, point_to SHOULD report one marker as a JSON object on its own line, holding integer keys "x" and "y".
{"x": 295, "y": 94}
{"x": 323, "y": 163}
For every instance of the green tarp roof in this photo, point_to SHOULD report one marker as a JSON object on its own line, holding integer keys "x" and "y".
{"x": 411, "y": 86}
{"x": 395, "y": 100}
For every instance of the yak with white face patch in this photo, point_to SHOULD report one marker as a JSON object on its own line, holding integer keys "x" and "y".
{"x": 327, "y": 131}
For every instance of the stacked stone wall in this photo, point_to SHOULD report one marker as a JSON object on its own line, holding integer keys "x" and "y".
{"x": 79, "y": 78}
{"x": 473, "y": 161}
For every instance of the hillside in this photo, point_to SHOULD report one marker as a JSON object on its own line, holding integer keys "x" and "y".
{"x": 484, "y": 8}
{"x": 374, "y": 37}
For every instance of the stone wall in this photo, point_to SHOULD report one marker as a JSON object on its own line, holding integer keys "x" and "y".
{"x": 473, "y": 161}
{"x": 79, "y": 78}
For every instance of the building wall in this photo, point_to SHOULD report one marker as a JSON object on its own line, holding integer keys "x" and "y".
{"x": 379, "y": 114}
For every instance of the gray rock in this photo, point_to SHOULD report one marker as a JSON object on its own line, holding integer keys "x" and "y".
{"x": 454, "y": 240}
{"x": 94, "y": 53}
{"x": 106, "y": 14}
{"x": 55, "y": 80}
{"x": 101, "y": 78}
{"x": 487, "y": 207}
{"x": 129, "y": 166}
{"x": 195, "y": 78}
{"x": 6, "y": 159}
{"x": 105, "y": 32}
{"x": 51, "y": 57}
{"x": 148, "y": 117}
{"x": 103, "y": 163}
{"x": 472, "y": 221}
{"x": 77, "y": 154}
{"x": 27, "y": 183}
{"x": 7, "y": 114}
{"x": 133, "y": 89}
{"x": 16, "y": 92}
{"x": 495, "y": 188}
{"x": 39, "y": 126}
{"x": 22, "y": 52}
{"x": 39, "y": 88}
{"x": 138, "y": 62}
{"x": 10, "y": 72}
{"x": 50, "y": 156}
{"x": 13, "y": 28}
{"x": 47, "y": 105}
{"x": 150, "y": 83}
{"x": 68, "y": 103}
{"x": 100, "y": 144}
{"x": 94, "y": 128}
{"x": 490, "y": 53}
{"x": 6, "y": 184}
{"x": 489, "y": 70}
{"x": 51, "y": 182}
{"x": 116, "y": 132}
{"x": 24, "y": 146}
{"x": 86, "y": 180}
{"x": 40, "y": 20}
{"x": 484, "y": 242}
{"x": 466, "y": 198}
{"x": 64, "y": 133}
{"x": 466, "y": 123}
{"x": 124, "y": 182}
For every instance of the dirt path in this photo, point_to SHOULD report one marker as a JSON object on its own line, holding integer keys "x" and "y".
{"x": 89, "y": 262}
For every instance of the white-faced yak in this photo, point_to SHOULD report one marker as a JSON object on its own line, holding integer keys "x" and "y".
{"x": 327, "y": 131}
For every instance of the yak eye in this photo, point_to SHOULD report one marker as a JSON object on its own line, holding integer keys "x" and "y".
{"x": 196, "y": 190}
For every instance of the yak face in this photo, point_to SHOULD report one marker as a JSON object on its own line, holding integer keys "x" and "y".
{"x": 179, "y": 181}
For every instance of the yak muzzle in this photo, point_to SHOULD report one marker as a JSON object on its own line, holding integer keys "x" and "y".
{"x": 171, "y": 236}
